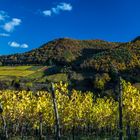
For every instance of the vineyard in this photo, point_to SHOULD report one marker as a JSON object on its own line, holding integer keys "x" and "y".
{"x": 26, "y": 113}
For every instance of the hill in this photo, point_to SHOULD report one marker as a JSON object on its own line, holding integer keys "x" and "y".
{"x": 88, "y": 64}
{"x": 59, "y": 51}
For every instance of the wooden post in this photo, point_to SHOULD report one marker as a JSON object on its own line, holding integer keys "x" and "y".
{"x": 73, "y": 133}
{"x": 120, "y": 110}
{"x": 120, "y": 92}
{"x": 56, "y": 114}
{"x": 5, "y": 133}
{"x": 128, "y": 132}
{"x": 40, "y": 126}
{"x": 136, "y": 133}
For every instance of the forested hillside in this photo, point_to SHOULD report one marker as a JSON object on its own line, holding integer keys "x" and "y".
{"x": 59, "y": 51}
{"x": 86, "y": 64}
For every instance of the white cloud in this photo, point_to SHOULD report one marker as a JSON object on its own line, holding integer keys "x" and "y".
{"x": 10, "y": 26}
{"x": 7, "y": 23}
{"x": 4, "y": 35}
{"x": 17, "y": 45}
{"x": 3, "y": 15}
{"x": 14, "y": 44}
{"x": 47, "y": 12}
{"x": 24, "y": 46}
{"x": 56, "y": 10}
{"x": 65, "y": 7}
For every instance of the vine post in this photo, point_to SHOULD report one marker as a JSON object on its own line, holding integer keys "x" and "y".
{"x": 120, "y": 101}
{"x": 5, "y": 133}
{"x": 120, "y": 110}
{"x": 57, "y": 121}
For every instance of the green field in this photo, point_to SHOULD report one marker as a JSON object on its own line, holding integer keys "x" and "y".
{"x": 54, "y": 78}
{"x": 15, "y": 67}
{"x": 33, "y": 73}
{"x": 19, "y": 71}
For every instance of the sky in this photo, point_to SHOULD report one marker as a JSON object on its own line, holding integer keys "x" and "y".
{"x": 27, "y": 24}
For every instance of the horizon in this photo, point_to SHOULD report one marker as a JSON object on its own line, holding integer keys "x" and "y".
{"x": 26, "y": 25}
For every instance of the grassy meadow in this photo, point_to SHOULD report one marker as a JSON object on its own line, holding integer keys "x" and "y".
{"x": 18, "y": 71}
{"x": 38, "y": 74}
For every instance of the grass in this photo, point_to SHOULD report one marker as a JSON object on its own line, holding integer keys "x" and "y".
{"x": 57, "y": 77}
{"x": 18, "y": 71}
{"x": 54, "y": 78}
{"x": 35, "y": 73}
{"x": 15, "y": 67}
{"x": 39, "y": 72}
{"x": 35, "y": 68}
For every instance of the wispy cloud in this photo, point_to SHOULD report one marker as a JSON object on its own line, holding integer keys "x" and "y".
{"x": 8, "y": 23}
{"x": 3, "y": 15}
{"x": 56, "y": 10}
{"x": 4, "y": 35}
{"x": 24, "y": 46}
{"x": 14, "y": 44}
{"x": 10, "y": 26}
{"x": 47, "y": 12}
{"x": 18, "y": 45}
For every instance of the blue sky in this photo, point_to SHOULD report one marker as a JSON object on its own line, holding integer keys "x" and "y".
{"x": 27, "y": 24}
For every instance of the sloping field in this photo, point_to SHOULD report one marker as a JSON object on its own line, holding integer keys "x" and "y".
{"x": 15, "y": 73}
{"x": 15, "y": 67}
{"x": 18, "y": 71}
